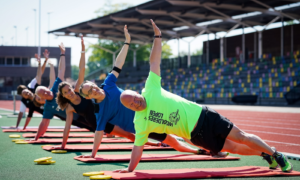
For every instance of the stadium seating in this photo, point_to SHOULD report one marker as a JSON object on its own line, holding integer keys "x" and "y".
{"x": 216, "y": 83}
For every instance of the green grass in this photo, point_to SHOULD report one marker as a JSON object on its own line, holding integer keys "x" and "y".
{"x": 16, "y": 160}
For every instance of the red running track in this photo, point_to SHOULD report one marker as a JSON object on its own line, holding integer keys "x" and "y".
{"x": 281, "y": 130}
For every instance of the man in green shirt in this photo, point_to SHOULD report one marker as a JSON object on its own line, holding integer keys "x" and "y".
{"x": 160, "y": 111}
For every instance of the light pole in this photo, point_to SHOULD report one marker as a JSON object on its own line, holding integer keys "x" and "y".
{"x": 12, "y": 41}
{"x": 16, "y": 34}
{"x": 27, "y": 35}
{"x": 49, "y": 27}
{"x": 40, "y": 9}
{"x": 34, "y": 25}
{"x": 2, "y": 41}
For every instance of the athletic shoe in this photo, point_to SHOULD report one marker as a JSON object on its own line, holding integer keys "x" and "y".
{"x": 219, "y": 154}
{"x": 163, "y": 144}
{"x": 272, "y": 162}
{"x": 202, "y": 152}
{"x": 284, "y": 164}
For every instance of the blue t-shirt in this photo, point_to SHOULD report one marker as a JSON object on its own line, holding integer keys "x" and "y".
{"x": 51, "y": 108}
{"x": 111, "y": 109}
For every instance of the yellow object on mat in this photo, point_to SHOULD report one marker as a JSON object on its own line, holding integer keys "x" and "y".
{"x": 93, "y": 173}
{"x": 101, "y": 177}
{"x": 14, "y": 136}
{"x": 47, "y": 162}
{"x": 42, "y": 159}
{"x": 59, "y": 151}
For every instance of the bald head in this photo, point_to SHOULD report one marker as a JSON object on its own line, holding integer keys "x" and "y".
{"x": 133, "y": 101}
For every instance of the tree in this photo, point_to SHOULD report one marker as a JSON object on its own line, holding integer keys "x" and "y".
{"x": 103, "y": 59}
{"x": 74, "y": 72}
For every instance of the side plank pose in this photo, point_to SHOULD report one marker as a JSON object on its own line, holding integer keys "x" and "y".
{"x": 160, "y": 111}
{"x": 68, "y": 98}
{"x": 29, "y": 99}
{"x": 108, "y": 109}
{"x": 51, "y": 108}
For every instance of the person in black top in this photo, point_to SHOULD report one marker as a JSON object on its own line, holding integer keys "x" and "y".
{"x": 29, "y": 100}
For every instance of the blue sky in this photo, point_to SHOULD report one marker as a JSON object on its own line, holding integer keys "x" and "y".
{"x": 64, "y": 13}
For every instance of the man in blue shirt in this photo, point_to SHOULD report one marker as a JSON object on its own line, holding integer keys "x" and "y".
{"x": 51, "y": 108}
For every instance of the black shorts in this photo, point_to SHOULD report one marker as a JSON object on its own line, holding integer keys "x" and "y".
{"x": 109, "y": 128}
{"x": 81, "y": 122}
{"x": 157, "y": 137}
{"x": 213, "y": 132}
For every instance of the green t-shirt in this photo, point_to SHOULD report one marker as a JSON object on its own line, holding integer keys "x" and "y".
{"x": 165, "y": 113}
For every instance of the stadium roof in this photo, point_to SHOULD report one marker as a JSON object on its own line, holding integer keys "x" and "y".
{"x": 184, "y": 18}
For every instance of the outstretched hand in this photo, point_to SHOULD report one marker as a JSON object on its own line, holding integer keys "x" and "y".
{"x": 62, "y": 48}
{"x": 46, "y": 54}
{"x": 85, "y": 156}
{"x": 127, "y": 35}
{"x": 155, "y": 28}
{"x": 38, "y": 58}
{"x": 82, "y": 43}
{"x": 122, "y": 170}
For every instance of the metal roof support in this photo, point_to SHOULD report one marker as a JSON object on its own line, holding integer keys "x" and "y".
{"x": 107, "y": 50}
{"x": 255, "y": 49}
{"x": 134, "y": 54}
{"x": 189, "y": 46}
{"x": 207, "y": 49}
{"x": 282, "y": 38}
{"x": 222, "y": 49}
{"x": 260, "y": 46}
{"x": 275, "y": 19}
{"x": 292, "y": 39}
{"x": 243, "y": 60}
{"x": 281, "y": 13}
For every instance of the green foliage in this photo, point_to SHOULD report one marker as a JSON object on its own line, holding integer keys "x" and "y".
{"x": 197, "y": 52}
{"x": 101, "y": 59}
{"x": 74, "y": 72}
{"x": 109, "y": 8}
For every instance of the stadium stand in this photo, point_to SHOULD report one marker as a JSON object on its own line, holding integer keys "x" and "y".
{"x": 216, "y": 83}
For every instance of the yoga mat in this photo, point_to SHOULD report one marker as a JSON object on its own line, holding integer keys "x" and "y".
{"x": 48, "y": 130}
{"x": 104, "y": 147}
{"x": 153, "y": 157}
{"x": 79, "y": 140}
{"x": 58, "y": 135}
{"x": 197, "y": 173}
{"x": 49, "y": 127}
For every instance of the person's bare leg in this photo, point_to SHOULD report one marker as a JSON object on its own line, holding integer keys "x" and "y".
{"x": 241, "y": 149}
{"x": 179, "y": 146}
{"x": 120, "y": 132}
{"x": 251, "y": 140}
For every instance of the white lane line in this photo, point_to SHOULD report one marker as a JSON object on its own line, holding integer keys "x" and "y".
{"x": 293, "y": 144}
{"x": 297, "y": 129}
{"x": 263, "y": 119}
{"x": 272, "y": 133}
{"x": 263, "y": 122}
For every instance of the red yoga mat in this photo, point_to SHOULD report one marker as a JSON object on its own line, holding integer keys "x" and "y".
{"x": 48, "y": 130}
{"x": 77, "y": 140}
{"x": 197, "y": 173}
{"x": 153, "y": 157}
{"x": 58, "y": 135}
{"x": 105, "y": 147}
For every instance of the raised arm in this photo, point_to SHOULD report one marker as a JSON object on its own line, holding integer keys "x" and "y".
{"x": 81, "y": 67}
{"x": 46, "y": 56}
{"x": 51, "y": 76}
{"x": 155, "y": 56}
{"x": 39, "y": 71}
{"x": 62, "y": 62}
{"x": 123, "y": 53}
